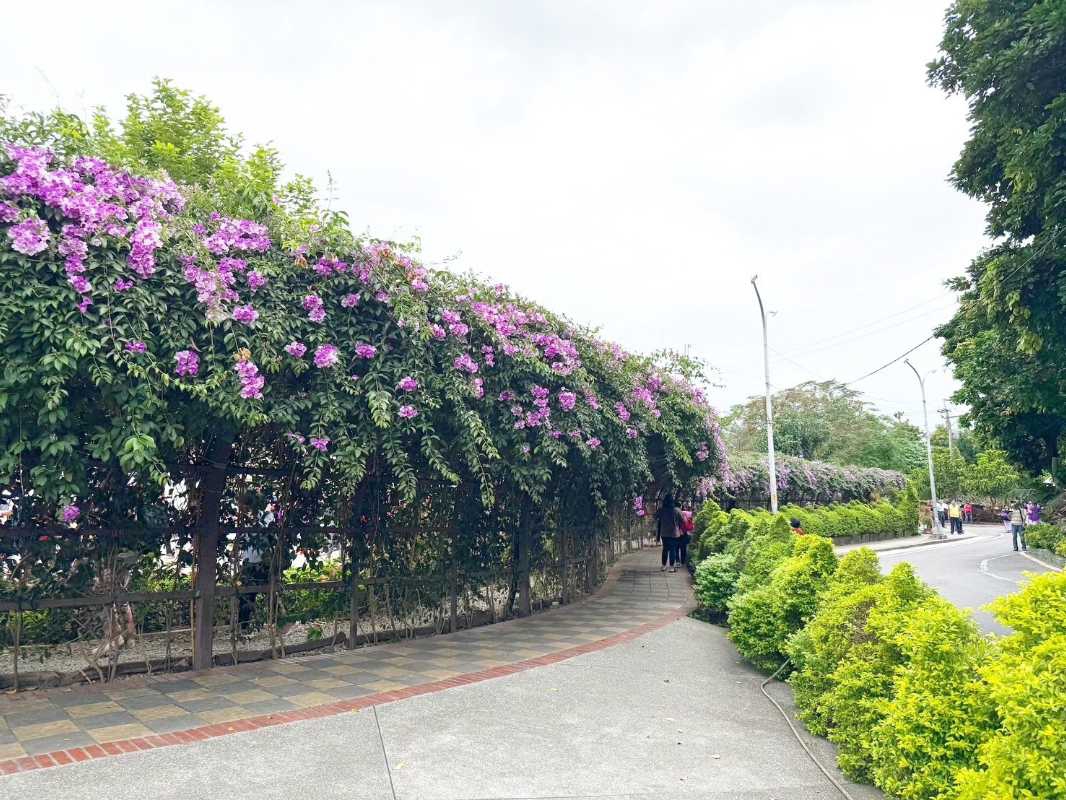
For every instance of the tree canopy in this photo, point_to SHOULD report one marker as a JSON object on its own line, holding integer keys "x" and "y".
{"x": 1007, "y": 341}
{"x": 826, "y": 421}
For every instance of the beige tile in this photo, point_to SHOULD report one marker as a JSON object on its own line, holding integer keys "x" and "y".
{"x": 273, "y": 681}
{"x": 308, "y": 699}
{"x": 27, "y": 733}
{"x": 112, "y": 733}
{"x": 287, "y": 667}
{"x": 328, "y": 683}
{"x": 381, "y": 686}
{"x": 13, "y": 750}
{"x": 190, "y": 694}
{"x": 158, "y": 712}
{"x": 250, "y": 696}
{"x": 439, "y": 674}
{"x": 224, "y": 714}
{"x": 142, "y": 691}
{"x": 387, "y": 672}
{"x": 341, "y": 670}
{"x": 93, "y": 709}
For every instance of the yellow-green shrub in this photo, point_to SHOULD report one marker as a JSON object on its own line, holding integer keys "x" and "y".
{"x": 940, "y": 710}
{"x": 764, "y": 617}
{"x": 716, "y": 581}
{"x": 1025, "y": 756}
{"x": 1045, "y": 536}
{"x": 711, "y": 533}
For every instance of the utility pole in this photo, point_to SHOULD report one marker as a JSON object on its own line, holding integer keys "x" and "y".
{"x": 770, "y": 458}
{"x": 947, "y": 424}
{"x": 928, "y": 451}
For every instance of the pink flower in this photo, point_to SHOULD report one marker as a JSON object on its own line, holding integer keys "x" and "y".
{"x": 136, "y": 347}
{"x": 364, "y": 350}
{"x": 245, "y": 314}
{"x": 320, "y": 443}
{"x": 251, "y": 381}
{"x": 71, "y": 513}
{"x": 593, "y": 443}
{"x": 437, "y": 332}
{"x": 382, "y": 297}
{"x": 316, "y": 311}
{"x": 188, "y": 363}
{"x": 567, "y": 400}
{"x": 407, "y": 384}
{"x": 350, "y": 300}
{"x": 623, "y": 412}
{"x": 296, "y": 349}
{"x": 256, "y": 280}
{"x": 407, "y": 412}
{"x": 83, "y": 306}
{"x": 122, "y": 285}
{"x": 30, "y": 236}
{"x": 465, "y": 363}
{"x": 326, "y": 356}
{"x": 459, "y": 329}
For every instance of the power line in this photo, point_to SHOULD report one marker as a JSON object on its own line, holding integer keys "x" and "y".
{"x": 893, "y": 361}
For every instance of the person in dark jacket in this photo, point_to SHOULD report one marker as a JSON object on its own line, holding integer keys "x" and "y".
{"x": 669, "y": 531}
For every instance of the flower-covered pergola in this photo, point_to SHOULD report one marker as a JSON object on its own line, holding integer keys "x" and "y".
{"x": 161, "y": 352}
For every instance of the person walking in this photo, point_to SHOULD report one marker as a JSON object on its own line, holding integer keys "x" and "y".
{"x": 686, "y": 526}
{"x": 967, "y": 512}
{"x": 955, "y": 517}
{"x": 1004, "y": 515}
{"x": 669, "y": 531}
{"x": 1017, "y": 527}
{"x": 942, "y": 513}
{"x": 1032, "y": 513}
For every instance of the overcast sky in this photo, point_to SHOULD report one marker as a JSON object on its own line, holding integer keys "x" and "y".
{"x": 630, "y": 164}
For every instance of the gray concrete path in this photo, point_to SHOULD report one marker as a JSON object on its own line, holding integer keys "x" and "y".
{"x": 671, "y": 714}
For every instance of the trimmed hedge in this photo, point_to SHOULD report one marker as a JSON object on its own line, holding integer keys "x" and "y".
{"x": 917, "y": 700}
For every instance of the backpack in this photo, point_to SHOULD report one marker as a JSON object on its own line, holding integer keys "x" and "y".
{"x": 688, "y": 525}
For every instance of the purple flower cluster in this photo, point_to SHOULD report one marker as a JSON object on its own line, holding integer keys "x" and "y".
{"x": 296, "y": 349}
{"x": 350, "y": 300}
{"x": 315, "y": 308}
{"x": 567, "y": 400}
{"x": 252, "y": 381}
{"x": 320, "y": 443}
{"x": 242, "y": 235}
{"x": 256, "y": 281}
{"x": 407, "y": 384}
{"x": 326, "y": 356}
{"x": 638, "y": 506}
{"x": 622, "y": 411}
{"x": 245, "y": 314}
{"x": 477, "y": 387}
{"x": 136, "y": 347}
{"x": 464, "y": 363}
{"x": 71, "y": 513}
{"x": 407, "y": 412}
{"x": 29, "y": 236}
{"x": 364, "y": 350}
{"x": 188, "y": 363}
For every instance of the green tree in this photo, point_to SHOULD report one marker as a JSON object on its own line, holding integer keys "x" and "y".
{"x": 992, "y": 476}
{"x": 1007, "y": 341}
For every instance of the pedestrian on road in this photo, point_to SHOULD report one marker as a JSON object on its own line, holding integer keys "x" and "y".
{"x": 942, "y": 513}
{"x": 955, "y": 517}
{"x": 1004, "y": 515}
{"x": 669, "y": 531}
{"x": 1017, "y": 526}
{"x": 967, "y": 512}
{"x": 687, "y": 525}
{"x": 1033, "y": 513}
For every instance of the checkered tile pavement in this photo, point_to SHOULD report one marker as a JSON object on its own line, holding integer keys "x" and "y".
{"x": 98, "y": 717}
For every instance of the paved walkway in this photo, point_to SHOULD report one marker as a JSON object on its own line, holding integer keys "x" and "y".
{"x": 60, "y": 727}
{"x": 659, "y": 707}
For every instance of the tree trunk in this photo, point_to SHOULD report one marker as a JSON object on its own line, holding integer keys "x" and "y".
{"x": 211, "y": 488}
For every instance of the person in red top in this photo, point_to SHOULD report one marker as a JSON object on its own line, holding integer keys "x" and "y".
{"x": 796, "y": 528}
{"x": 967, "y": 512}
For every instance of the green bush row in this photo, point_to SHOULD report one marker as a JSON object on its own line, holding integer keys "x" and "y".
{"x": 917, "y": 700}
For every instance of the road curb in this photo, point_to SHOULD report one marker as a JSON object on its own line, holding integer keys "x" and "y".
{"x": 950, "y": 540}
{"x": 1044, "y": 564}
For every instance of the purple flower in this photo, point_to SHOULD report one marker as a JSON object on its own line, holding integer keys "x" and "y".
{"x": 593, "y": 443}
{"x": 256, "y": 280}
{"x": 320, "y": 443}
{"x": 71, "y": 513}
{"x": 407, "y": 384}
{"x": 350, "y": 300}
{"x": 122, "y": 285}
{"x": 188, "y": 363}
{"x": 83, "y": 306}
{"x": 437, "y": 332}
{"x": 136, "y": 347}
{"x": 477, "y": 386}
{"x": 631, "y": 433}
{"x": 567, "y": 400}
{"x": 8, "y": 212}
{"x": 364, "y": 350}
{"x": 326, "y": 356}
{"x": 459, "y": 329}
{"x": 623, "y": 412}
{"x": 296, "y": 349}
{"x": 507, "y": 396}
{"x": 29, "y": 236}
{"x": 245, "y": 314}
{"x": 407, "y": 412}
{"x": 316, "y": 311}
{"x": 382, "y": 297}
{"x": 251, "y": 381}
{"x": 464, "y": 363}
{"x": 79, "y": 284}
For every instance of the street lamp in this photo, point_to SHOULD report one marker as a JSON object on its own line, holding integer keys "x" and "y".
{"x": 769, "y": 403}
{"x": 928, "y": 451}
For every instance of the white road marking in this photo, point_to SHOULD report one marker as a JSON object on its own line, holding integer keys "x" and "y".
{"x": 984, "y": 568}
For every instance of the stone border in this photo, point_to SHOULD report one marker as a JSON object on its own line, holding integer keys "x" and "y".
{"x": 75, "y": 755}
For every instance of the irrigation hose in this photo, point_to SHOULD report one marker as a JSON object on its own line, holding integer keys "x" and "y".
{"x": 795, "y": 732}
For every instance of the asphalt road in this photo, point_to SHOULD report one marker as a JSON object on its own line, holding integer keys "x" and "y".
{"x": 970, "y": 573}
